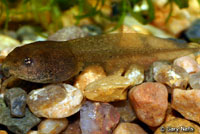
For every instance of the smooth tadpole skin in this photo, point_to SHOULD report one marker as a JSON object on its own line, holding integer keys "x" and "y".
{"x": 51, "y": 61}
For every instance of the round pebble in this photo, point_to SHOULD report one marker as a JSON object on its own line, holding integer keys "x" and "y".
{"x": 52, "y": 126}
{"x": 150, "y": 102}
{"x": 55, "y": 101}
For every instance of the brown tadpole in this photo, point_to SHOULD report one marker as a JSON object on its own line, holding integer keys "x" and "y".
{"x": 52, "y": 61}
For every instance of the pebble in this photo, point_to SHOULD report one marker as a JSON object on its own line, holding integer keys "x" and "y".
{"x": 153, "y": 70}
{"x": 192, "y": 33}
{"x": 194, "y": 80}
{"x": 135, "y": 74}
{"x": 68, "y": 33}
{"x": 52, "y": 126}
{"x": 108, "y": 89}
{"x": 73, "y": 128}
{"x": 16, "y": 100}
{"x": 188, "y": 63}
{"x": 3, "y": 132}
{"x": 173, "y": 76}
{"x": 26, "y": 33}
{"x": 17, "y": 125}
{"x": 7, "y": 44}
{"x": 127, "y": 114}
{"x": 150, "y": 102}
{"x": 89, "y": 74}
{"x": 129, "y": 128}
{"x": 178, "y": 125}
{"x": 186, "y": 102}
{"x": 92, "y": 30}
{"x": 98, "y": 118}
{"x": 33, "y": 132}
{"x": 55, "y": 101}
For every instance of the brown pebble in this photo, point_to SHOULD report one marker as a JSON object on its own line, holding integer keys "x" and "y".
{"x": 129, "y": 128}
{"x": 187, "y": 102}
{"x": 108, "y": 89}
{"x": 150, "y": 102}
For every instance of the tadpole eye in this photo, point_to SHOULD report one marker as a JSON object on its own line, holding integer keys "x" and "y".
{"x": 28, "y": 61}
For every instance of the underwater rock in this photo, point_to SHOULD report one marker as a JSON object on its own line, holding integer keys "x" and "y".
{"x": 68, "y": 33}
{"x": 178, "y": 125}
{"x": 89, "y": 74}
{"x": 108, "y": 89}
{"x": 150, "y": 102}
{"x": 186, "y": 102}
{"x": 129, "y": 128}
{"x": 16, "y": 101}
{"x": 98, "y": 118}
{"x": 55, "y": 101}
{"x": 127, "y": 114}
{"x": 52, "y": 126}
{"x": 188, "y": 63}
{"x": 17, "y": 125}
{"x": 173, "y": 76}
{"x": 135, "y": 74}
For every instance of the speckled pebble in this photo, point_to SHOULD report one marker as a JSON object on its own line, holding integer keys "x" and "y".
{"x": 52, "y": 126}
{"x": 150, "y": 102}
{"x": 186, "y": 102}
{"x": 55, "y": 101}
{"x": 108, "y": 89}
{"x": 89, "y": 74}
